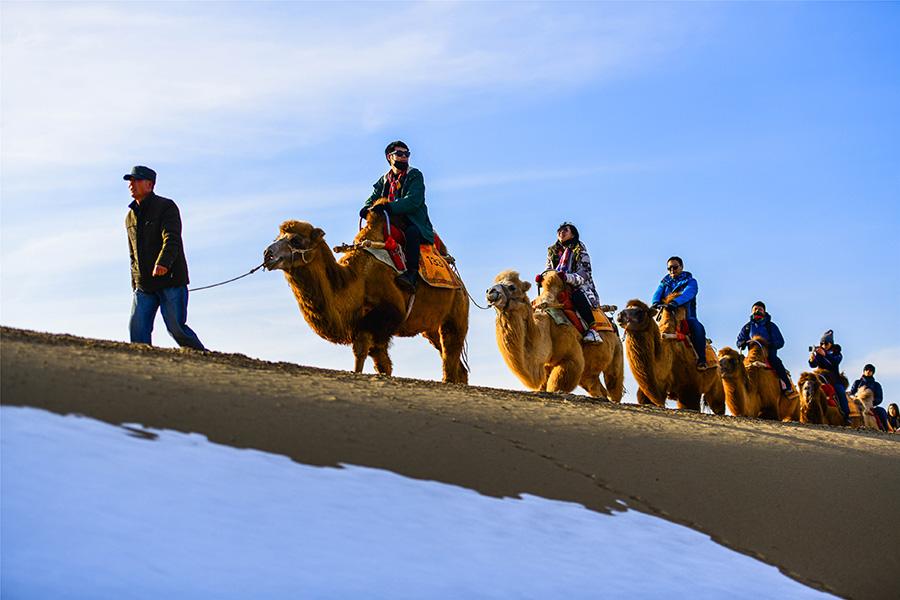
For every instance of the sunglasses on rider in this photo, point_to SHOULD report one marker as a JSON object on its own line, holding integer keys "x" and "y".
{"x": 400, "y": 153}
{"x": 671, "y": 268}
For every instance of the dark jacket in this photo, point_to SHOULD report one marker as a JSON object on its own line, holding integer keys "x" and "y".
{"x": 684, "y": 283}
{"x": 831, "y": 361}
{"x": 410, "y": 204}
{"x": 765, "y": 329}
{"x": 154, "y": 238}
{"x": 870, "y": 383}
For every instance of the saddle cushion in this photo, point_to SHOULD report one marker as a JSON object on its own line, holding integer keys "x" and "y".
{"x": 830, "y": 394}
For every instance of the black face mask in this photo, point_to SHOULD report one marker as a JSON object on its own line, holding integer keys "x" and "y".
{"x": 401, "y": 165}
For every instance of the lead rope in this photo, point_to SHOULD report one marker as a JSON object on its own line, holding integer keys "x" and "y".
{"x": 206, "y": 287}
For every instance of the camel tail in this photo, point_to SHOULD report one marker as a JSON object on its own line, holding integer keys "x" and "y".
{"x": 615, "y": 375}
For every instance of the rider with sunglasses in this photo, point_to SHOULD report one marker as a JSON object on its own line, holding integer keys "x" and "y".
{"x": 404, "y": 187}
{"x": 680, "y": 281}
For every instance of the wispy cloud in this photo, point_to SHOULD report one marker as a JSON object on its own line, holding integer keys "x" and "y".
{"x": 886, "y": 361}
{"x": 90, "y": 83}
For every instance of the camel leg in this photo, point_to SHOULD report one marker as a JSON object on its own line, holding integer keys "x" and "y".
{"x": 643, "y": 398}
{"x": 435, "y": 338}
{"x": 688, "y": 400}
{"x": 591, "y": 384}
{"x": 565, "y": 376}
{"x": 362, "y": 343}
{"x": 452, "y": 343}
{"x": 715, "y": 398}
{"x": 382, "y": 360}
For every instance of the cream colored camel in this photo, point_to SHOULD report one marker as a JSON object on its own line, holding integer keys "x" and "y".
{"x": 607, "y": 357}
{"x": 863, "y": 402}
{"x": 355, "y": 301}
{"x": 663, "y": 365}
{"x": 542, "y": 354}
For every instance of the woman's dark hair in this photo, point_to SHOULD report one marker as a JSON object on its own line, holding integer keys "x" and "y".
{"x": 393, "y": 146}
{"x": 676, "y": 258}
{"x": 571, "y": 226}
{"x": 895, "y": 407}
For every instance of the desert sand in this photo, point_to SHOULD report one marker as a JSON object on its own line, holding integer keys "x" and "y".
{"x": 802, "y": 498}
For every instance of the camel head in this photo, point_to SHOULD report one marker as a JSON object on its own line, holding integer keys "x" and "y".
{"x": 668, "y": 318}
{"x": 552, "y": 283}
{"x": 731, "y": 362}
{"x": 757, "y": 350}
{"x": 507, "y": 290}
{"x": 636, "y": 316}
{"x": 374, "y": 226}
{"x": 297, "y": 244}
{"x": 809, "y": 386}
{"x": 866, "y": 396}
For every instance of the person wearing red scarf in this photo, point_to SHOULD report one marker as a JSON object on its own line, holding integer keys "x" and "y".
{"x": 404, "y": 187}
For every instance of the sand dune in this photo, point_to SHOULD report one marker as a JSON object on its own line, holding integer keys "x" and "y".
{"x": 798, "y": 497}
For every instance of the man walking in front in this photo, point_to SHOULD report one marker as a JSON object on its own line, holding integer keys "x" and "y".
{"x": 159, "y": 275}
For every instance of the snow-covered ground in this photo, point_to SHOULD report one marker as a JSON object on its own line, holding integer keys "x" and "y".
{"x": 90, "y": 510}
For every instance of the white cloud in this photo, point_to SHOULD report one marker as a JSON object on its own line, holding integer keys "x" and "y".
{"x": 886, "y": 361}
{"x": 91, "y": 83}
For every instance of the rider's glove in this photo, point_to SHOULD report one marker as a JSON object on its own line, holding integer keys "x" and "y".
{"x": 573, "y": 279}
{"x": 363, "y": 212}
{"x": 380, "y": 209}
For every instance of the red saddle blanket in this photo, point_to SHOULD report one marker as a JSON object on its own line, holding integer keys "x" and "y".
{"x": 830, "y": 394}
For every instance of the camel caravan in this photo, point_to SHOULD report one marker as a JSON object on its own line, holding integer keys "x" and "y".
{"x": 397, "y": 279}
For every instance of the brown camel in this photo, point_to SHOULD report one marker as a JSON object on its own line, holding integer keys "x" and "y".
{"x": 548, "y": 356}
{"x": 665, "y": 366}
{"x": 607, "y": 357}
{"x": 355, "y": 301}
{"x": 751, "y": 388}
{"x": 814, "y": 407}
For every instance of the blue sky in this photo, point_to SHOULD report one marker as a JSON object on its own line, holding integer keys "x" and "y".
{"x": 759, "y": 142}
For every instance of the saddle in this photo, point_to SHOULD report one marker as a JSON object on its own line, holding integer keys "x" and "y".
{"x": 683, "y": 335}
{"x": 601, "y": 320}
{"x": 829, "y": 391}
{"x": 434, "y": 266}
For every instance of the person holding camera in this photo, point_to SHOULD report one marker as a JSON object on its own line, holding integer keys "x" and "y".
{"x": 827, "y": 356}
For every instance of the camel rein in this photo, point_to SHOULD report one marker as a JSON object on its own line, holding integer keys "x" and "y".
{"x": 250, "y": 272}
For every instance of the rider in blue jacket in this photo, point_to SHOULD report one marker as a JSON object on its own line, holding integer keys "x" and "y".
{"x": 761, "y": 325}
{"x": 681, "y": 281}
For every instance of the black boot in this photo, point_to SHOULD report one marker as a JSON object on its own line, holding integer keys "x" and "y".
{"x": 407, "y": 281}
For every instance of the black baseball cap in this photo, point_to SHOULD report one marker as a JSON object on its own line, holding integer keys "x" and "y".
{"x": 141, "y": 172}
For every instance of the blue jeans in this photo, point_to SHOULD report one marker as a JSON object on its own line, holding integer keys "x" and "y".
{"x": 698, "y": 338}
{"x": 841, "y": 393}
{"x": 173, "y": 303}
